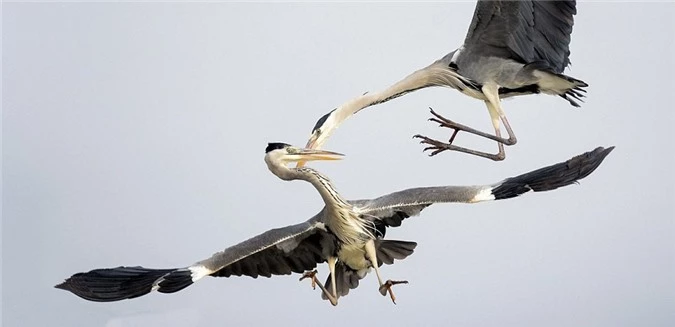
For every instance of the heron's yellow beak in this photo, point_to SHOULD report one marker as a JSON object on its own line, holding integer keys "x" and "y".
{"x": 305, "y": 155}
{"x": 310, "y": 145}
{"x": 312, "y": 141}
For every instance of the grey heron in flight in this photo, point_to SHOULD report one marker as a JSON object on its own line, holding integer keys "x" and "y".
{"x": 348, "y": 235}
{"x": 512, "y": 48}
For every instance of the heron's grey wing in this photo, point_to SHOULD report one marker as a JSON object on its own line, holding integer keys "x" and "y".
{"x": 526, "y": 31}
{"x": 280, "y": 251}
{"x": 392, "y": 208}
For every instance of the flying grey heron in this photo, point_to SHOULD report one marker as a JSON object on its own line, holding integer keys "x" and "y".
{"x": 348, "y": 235}
{"x": 512, "y": 48}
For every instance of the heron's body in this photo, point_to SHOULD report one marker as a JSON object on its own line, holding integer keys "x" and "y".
{"x": 346, "y": 234}
{"x": 350, "y": 229}
{"x": 355, "y": 235}
{"x": 354, "y": 257}
{"x": 512, "y": 48}
{"x": 511, "y": 78}
{"x": 339, "y": 216}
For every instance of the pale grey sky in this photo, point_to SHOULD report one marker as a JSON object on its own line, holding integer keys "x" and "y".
{"x": 134, "y": 134}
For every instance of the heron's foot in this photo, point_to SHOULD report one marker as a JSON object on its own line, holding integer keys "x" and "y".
{"x": 315, "y": 282}
{"x": 444, "y": 122}
{"x": 312, "y": 276}
{"x": 386, "y": 288}
{"x": 457, "y": 127}
{"x": 437, "y": 147}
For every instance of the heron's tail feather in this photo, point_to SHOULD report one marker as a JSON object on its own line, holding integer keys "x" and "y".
{"x": 388, "y": 250}
{"x": 114, "y": 284}
{"x": 552, "y": 177}
{"x": 574, "y": 93}
{"x": 552, "y": 82}
{"x": 345, "y": 279}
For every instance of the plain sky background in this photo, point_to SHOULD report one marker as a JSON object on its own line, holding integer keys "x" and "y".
{"x": 133, "y": 134}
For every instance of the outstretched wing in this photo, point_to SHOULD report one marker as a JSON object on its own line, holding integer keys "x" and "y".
{"x": 526, "y": 31}
{"x": 280, "y": 251}
{"x": 392, "y": 208}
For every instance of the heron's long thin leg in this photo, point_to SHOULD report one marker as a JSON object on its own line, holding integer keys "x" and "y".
{"x": 437, "y": 146}
{"x": 494, "y": 104}
{"x": 331, "y": 266}
{"x": 316, "y": 282}
{"x": 444, "y": 122}
{"x": 491, "y": 92}
{"x": 494, "y": 117}
{"x": 330, "y": 297}
{"x": 386, "y": 286}
{"x": 371, "y": 254}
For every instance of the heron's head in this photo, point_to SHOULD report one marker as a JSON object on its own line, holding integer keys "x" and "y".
{"x": 282, "y": 154}
{"x": 322, "y": 129}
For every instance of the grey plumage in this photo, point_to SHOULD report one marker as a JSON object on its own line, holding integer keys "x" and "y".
{"x": 509, "y": 41}
{"x": 524, "y": 31}
{"x": 300, "y": 247}
{"x": 512, "y": 48}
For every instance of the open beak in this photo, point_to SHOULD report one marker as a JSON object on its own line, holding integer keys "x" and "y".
{"x": 310, "y": 145}
{"x": 312, "y": 141}
{"x": 305, "y": 155}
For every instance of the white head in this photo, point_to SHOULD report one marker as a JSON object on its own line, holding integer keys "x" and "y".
{"x": 323, "y": 129}
{"x": 279, "y": 155}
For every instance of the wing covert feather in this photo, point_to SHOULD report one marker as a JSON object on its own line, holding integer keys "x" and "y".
{"x": 280, "y": 251}
{"x": 526, "y": 31}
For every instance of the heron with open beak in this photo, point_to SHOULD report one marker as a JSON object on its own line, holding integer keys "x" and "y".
{"x": 346, "y": 234}
{"x": 512, "y": 48}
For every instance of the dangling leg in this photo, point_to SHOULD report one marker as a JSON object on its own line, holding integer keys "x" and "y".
{"x": 386, "y": 286}
{"x": 496, "y": 113}
{"x": 494, "y": 117}
{"x": 438, "y": 146}
{"x": 493, "y": 103}
{"x": 331, "y": 267}
{"x": 315, "y": 281}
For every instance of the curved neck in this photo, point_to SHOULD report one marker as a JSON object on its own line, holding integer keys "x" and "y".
{"x": 433, "y": 75}
{"x": 425, "y": 77}
{"x": 320, "y": 182}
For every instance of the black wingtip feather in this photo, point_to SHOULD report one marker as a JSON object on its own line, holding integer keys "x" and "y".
{"x": 115, "y": 284}
{"x": 175, "y": 281}
{"x": 552, "y": 177}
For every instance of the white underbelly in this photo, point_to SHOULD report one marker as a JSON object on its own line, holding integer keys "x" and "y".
{"x": 354, "y": 256}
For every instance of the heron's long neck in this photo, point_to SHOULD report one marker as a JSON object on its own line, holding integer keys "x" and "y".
{"x": 322, "y": 184}
{"x": 431, "y": 75}
{"x": 347, "y": 225}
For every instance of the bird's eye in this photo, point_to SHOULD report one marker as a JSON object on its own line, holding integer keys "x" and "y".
{"x": 320, "y": 122}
